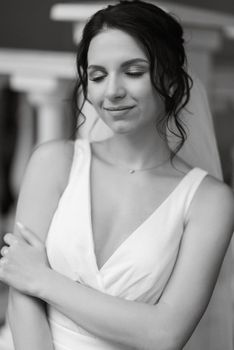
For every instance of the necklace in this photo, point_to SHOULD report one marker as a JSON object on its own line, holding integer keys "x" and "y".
{"x": 133, "y": 171}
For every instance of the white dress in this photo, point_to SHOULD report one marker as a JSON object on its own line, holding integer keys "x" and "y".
{"x": 140, "y": 267}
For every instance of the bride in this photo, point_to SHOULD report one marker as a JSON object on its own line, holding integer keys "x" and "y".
{"x": 118, "y": 244}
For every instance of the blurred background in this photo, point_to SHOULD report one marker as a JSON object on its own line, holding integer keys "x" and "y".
{"x": 37, "y": 69}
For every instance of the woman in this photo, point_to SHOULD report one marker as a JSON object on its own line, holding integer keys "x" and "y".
{"x": 124, "y": 240}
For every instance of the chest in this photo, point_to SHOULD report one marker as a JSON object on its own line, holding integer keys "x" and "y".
{"x": 120, "y": 204}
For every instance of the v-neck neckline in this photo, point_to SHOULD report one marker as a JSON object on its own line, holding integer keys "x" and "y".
{"x": 138, "y": 228}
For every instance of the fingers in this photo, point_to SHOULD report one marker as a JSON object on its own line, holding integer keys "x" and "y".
{"x": 4, "y": 251}
{"x": 10, "y": 239}
{"x": 4, "y": 259}
{"x": 28, "y": 235}
{"x": 3, "y": 264}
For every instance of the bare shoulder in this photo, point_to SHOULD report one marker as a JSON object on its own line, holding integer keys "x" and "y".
{"x": 214, "y": 192}
{"x": 53, "y": 148}
{"x": 53, "y": 157}
{"x": 214, "y": 202}
{"x": 44, "y": 181}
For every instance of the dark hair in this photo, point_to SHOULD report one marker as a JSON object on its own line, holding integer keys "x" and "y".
{"x": 161, "y": 37}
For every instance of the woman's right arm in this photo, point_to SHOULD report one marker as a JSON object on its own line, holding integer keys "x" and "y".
{"x": 28, "y": 323}
{"x": 44, "y": 181}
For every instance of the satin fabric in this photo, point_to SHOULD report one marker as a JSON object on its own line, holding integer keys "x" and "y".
{"x": 140, "y": 267}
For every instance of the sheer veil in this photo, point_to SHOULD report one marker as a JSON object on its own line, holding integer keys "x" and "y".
{"x": 215, "y": 330}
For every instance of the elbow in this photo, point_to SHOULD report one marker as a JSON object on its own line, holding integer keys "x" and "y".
{"x": 167, "y": 344}
{"x": 163, "y": 341}
{"x": 172, "y": 345}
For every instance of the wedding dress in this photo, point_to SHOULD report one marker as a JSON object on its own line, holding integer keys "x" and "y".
{"x": 140, "y": 267}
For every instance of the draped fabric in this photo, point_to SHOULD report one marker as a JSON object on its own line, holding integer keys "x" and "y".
{"x": 138, "y": 269}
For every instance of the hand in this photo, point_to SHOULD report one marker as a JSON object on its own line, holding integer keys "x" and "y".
{"x": 24, "y": 261}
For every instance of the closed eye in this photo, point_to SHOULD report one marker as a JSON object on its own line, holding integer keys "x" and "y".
{"x": 135, "y": 74}
{"x": 97, "y": 78}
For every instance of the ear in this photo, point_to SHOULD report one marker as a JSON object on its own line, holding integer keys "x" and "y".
{"x": 29, "y": 236}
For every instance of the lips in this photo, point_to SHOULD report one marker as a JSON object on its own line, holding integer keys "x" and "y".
{"x": 118, "y": 108}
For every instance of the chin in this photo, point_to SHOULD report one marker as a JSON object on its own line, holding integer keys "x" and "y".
{"x": 123, "y": 126}
{"x": 123, "y": 129}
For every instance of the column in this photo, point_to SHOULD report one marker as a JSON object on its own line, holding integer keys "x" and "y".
{"x": 50, "y": 98}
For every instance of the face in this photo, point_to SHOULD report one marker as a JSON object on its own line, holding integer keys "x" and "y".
{"x": 119, "y": 85}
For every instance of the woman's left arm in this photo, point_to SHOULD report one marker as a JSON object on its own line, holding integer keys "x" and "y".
{"x": 168, "y": 324}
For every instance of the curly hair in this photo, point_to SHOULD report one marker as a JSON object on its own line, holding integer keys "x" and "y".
{"x": 161, "y": 37}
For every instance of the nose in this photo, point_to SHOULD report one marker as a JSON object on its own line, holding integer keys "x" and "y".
{"x": 115, "y": 88}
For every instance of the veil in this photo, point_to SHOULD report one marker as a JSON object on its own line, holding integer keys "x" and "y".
{"x": 215, "y": 330}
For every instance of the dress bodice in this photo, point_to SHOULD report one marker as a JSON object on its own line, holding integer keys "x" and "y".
{"x": 140, "y": 267}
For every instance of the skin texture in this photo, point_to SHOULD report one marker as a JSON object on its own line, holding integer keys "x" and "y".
{"x": 208, "y": 225}
{"x": 117, "y": 81}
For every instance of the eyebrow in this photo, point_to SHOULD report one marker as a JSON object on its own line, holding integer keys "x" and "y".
{"x": 124, "y": 64}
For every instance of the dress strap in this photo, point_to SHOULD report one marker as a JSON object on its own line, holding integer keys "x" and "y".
{"x": 80, "y": 155}
{"x": 196, "y": 178}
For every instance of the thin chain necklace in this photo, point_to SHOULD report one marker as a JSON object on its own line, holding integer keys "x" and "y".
{"x": 133, "y": 171}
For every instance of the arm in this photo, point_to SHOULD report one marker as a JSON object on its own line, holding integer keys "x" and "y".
{"x": 37, "y": 201}
{"x": 207, "y": 234}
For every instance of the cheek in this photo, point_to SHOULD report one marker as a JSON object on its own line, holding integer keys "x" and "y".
{"x": 94, "y": 94}
{"x": 147, "y": 97}
{"x": 142, "y": 90}
{"x": 152, "y": 103}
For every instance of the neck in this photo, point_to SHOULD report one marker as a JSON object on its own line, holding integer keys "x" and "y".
{"x": 138, "y": 151}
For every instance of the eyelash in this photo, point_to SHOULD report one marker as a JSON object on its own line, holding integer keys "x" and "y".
{"x": 97, "y": 79}
{"x": 130, "y": 74}
{"x": 135, "y": 74}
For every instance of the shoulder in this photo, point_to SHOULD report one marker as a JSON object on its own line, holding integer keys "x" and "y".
{"x": 214, "y": 193}
{"x": 52, "y": 161}
{"x": 213, "y": 204}
{"x": 53, "y": 147}
{"x": 44, "y": 181}
{"x": 60, "y": 152}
